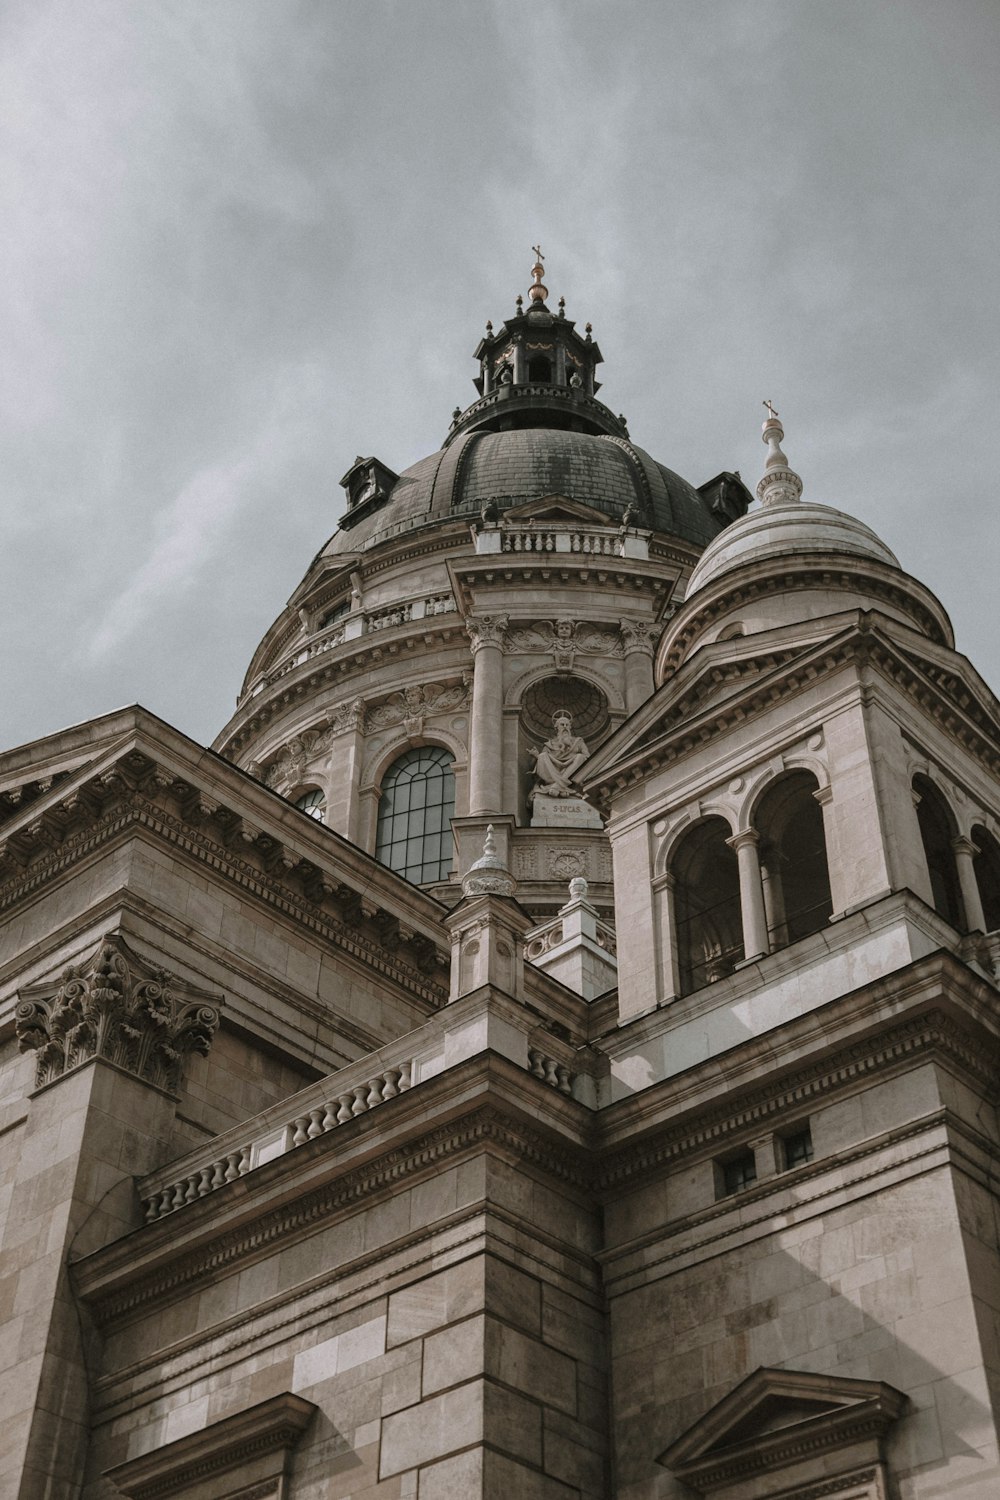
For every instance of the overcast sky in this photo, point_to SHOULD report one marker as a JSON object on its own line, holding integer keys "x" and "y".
{"x": 245, "y": 240}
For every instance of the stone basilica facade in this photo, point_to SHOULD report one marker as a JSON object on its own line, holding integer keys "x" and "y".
{"x": 548, "y": 1047}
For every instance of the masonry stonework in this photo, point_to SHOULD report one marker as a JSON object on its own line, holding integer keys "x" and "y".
{"x": 374, "y": 1130}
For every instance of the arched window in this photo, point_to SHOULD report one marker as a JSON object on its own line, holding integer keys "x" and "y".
{"x": 312, "y": 802}
{"x": 414, "y": 815}
{"x": 539, "y": 370}
{"x": 937, "y": 829}
{"x": 707, "y": 914}
{"x": 986, "y": 864}
{"x": 793, "y": 864}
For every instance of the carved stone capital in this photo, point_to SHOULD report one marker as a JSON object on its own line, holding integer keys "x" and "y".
{"x": 116, "y": 1006}
{"x": 637, "y": 636}
{"x": 487, "y": 630}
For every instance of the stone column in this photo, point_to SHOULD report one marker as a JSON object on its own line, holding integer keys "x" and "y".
{"x": 755, "y": 942}
{"x": 774, "y": 904}
{"x": 343, "y": 781}
{"x": 965, "y": 851}
{"x": 637, "y": 647}
{"x": 486, "y": 719}
{"x": 666, "y": 909}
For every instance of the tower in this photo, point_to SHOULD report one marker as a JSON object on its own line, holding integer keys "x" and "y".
{"x": 347, "y": 1157}
{"x": 525, "y": 570}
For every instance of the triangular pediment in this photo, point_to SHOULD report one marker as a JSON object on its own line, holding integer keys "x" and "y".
{"x": 780, "y": 1416}
{"x": 725, "y": 682}
{"x": 557, "y": 508}
{"x": 706, "y": 689}
{"x": 29, "y": 772}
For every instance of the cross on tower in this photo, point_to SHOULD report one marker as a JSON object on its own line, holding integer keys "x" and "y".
{"x": 772, "y": 414}
{"x": 538, "y": 251}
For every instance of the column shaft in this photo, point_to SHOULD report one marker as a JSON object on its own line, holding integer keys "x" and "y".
{"x": 755, "y": 941}
{"x": 965, "y": 850}
{"x": 486, "y": 726}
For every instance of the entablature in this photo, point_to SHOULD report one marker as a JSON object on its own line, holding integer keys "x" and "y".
{"x": 158, "y": 784}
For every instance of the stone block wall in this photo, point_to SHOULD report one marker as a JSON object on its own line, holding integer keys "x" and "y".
{"x": 450, "y": 1332}
{"x": 877, "y": 1260}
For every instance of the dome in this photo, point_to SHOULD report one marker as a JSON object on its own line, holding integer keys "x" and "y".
{"x": 511, "y": 467}
{"x": 796, "y": 529}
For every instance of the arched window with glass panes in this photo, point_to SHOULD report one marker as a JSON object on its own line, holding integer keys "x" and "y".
{"x": 312, "y": 802}
{"x": 415, "y": 810}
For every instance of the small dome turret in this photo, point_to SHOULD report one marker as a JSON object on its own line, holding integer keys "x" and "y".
{"x": 785, "y": 526}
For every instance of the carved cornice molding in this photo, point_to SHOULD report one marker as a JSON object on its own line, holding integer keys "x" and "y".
{"x": 780, "y": 674}
{"x": 776, "y": 1419}
{"x": 484, "y": 1126}
{"x": 729, "y": 595}
{"x": 116, "y": 1006}
{"x": 270, "y": 1428}
{"x": 930, "y": 1032}
{"x": 305, "y": 681}
{"x": 131, "y": 795}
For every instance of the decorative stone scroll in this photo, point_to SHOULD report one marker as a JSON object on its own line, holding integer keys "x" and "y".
{"x": 289, "y": 766}
{"x": 638, "y": 635}
{"x": 486, "y": 630}
{"x": 565, "y": 639}
{"x": 415, "y": 702}
{"x": 118, "y": 1007}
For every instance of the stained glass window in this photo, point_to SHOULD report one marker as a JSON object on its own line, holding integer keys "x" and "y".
{"x": 415, "y": 813}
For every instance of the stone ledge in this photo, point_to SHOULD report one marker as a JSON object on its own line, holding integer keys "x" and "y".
{"x": 262, "y": 1433}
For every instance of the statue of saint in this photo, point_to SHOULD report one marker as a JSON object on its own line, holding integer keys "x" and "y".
{"x": 559, "y": 759}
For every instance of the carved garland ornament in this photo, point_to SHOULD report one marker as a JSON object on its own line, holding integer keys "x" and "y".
{"x": 117, "y": 1007}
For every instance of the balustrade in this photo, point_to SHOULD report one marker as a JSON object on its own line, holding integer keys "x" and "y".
{"x": 275, "y": 1140}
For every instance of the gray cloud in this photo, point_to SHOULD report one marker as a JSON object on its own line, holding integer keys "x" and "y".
{"x": 243, "y": 242}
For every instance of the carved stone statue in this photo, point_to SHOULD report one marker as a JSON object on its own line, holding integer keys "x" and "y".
{"x": 559, "y": 758}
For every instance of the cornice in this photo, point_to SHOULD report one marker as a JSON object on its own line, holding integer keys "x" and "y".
{"x": 482, "y": 1125}
{"x": 932, "y": 1031}
{"x": 352, "y": 657}
{"x": 945, "y": 698}
{"x": 128, "y": 798}
{"x": 790, "y": 673}
{"x": 270, "y": 1428}
{"x": 733, "y": 591}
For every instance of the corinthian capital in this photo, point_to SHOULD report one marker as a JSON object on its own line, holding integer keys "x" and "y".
{"x": 118, "y": 1007}
{"x": 638, "y": 635}
{"x": 486, "y": 630}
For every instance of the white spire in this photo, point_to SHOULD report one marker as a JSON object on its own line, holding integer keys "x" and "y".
{"x": 779, "y": 485}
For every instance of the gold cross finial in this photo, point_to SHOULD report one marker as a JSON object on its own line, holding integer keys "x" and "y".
{"x": 771, "y": 413}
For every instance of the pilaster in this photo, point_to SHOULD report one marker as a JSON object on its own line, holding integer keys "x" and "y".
{"x": 109, "y": 1041}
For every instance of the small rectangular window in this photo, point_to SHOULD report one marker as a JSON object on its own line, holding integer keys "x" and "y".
{"x": 797, "y": 1149}
{"x": 737, "y": 1173}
